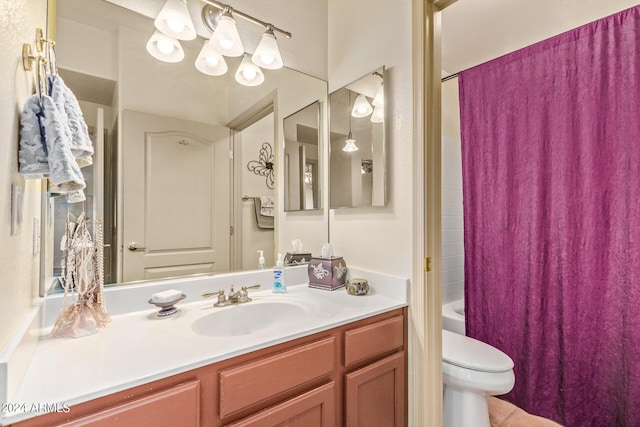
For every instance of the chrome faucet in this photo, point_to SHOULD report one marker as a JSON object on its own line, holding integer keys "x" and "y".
{"x": 234, "y": 297}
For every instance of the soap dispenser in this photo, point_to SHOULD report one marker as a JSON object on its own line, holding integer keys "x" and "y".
{"x": 260, "y": 260}
{"x": 279, "y": 287}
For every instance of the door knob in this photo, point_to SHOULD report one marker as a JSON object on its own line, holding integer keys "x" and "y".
{"x": 134, "y": 246}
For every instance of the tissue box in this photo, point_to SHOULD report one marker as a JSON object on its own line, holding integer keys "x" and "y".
{"x": 296, "y": 258}
{"x": 327, "y": 273}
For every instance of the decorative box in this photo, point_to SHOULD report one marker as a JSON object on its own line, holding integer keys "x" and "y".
{"x": 296, "y": 258}
{"x": 327, "y": 273}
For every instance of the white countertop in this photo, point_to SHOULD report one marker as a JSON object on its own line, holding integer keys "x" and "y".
{"x": 139, "y": 347}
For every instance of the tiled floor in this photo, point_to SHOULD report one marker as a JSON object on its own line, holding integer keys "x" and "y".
{"x": 505, "y": 414}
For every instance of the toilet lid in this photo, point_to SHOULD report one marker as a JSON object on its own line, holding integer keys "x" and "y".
{"x": 470, "y": 353}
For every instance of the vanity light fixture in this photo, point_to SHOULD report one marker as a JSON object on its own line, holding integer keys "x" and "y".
{"x": 174, "y": 20}
{"x": 267, "y": 54}
{"x": 350, "y": 143}
{"x": 210, "y": 61}
{"x": 361, "y": 107}
{"x": 165, "y": 48}
{"x": 378, "y": 100}
{"x": 248, "y": 73}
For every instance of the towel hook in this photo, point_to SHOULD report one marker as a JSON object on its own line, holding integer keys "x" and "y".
{"x": 27, "y": 57}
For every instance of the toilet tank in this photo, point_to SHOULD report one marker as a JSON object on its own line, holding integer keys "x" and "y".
{"x": 453, "y": 317}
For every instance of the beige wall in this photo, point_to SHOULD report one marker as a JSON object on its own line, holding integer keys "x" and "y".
{"x": 19, "y": 267}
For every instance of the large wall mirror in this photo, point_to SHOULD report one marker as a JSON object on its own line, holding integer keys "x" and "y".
{"x": 182, "y": 158}
{"x": 301, "y": 162}
{"x": 358, "y": 156}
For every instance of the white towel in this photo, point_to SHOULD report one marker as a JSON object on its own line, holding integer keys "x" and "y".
{"x": 32, "y": 154}
{"x": 267, "y": 206}
{"x": 73, "y": 121}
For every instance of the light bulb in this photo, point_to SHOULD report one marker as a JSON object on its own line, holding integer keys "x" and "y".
{"x": 210, "y": 61}
{"x": 361, "y": 107}
{"x": 174, "y": 20}
{"x": 267, "y": 54}
{"x": 225, "y": 42}
{"x": 165, "y": 46}
{"x": 249, "y": 73}
{"x": 175, "y": 25}
{"x": 227, "y": 37}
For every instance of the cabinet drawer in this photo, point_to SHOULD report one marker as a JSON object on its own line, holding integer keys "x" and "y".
{"x": 248, "y": 384}
{"x": 373, "y": 340}
{"x": 315, "y": 408}
{"x": 177, "y": 406}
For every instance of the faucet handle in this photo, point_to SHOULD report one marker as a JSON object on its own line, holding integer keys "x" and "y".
{"x": 222, "y": 299}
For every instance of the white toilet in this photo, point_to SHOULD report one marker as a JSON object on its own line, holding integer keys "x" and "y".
{"x": 471, "y": 371}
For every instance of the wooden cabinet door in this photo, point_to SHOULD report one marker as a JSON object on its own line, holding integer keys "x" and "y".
{"x": 177, "y": 406}
{"x": 375, "y": 394}
{"x": 312, "y": 409}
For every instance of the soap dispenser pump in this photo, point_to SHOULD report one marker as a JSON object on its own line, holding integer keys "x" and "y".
{"x": 279, "y": 287}
{"x": 260, "y": 260}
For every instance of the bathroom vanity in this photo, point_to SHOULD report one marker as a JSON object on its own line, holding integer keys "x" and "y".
{"x": 334, "y": 360}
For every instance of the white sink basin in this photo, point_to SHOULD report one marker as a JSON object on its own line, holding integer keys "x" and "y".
{"x": 248, "y": 318}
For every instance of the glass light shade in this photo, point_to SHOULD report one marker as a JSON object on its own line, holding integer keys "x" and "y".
{"x": 378, "y": 114}
{"x": 210, "y": 61}
{"x": 361, "y": 107}
{"x": 165, "y": 48}
{"x": 350, "y": 144}
{"x": 249, "y": 74}
{"x": 267, "y": 54}
{"x": 174, "y": 20}
{"x": 378, "y": 100}
{"x": 226, "y": 36}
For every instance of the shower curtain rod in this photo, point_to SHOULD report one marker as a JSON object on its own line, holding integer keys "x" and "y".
{"x": 449, "y": 77}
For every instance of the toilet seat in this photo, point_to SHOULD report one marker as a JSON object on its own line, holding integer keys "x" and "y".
{"x": 469, "y": 353}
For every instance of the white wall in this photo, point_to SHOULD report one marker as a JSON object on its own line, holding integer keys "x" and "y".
{"x": 19, "y": 285}
{"x": 364, "y": 35}
{"x": 452, "y": 219}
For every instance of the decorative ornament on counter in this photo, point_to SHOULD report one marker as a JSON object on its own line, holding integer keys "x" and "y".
{"x": 327, "y": 272}
{"x": 357, "y": 287}
{"x": 82, "y": 279}
{"x": 297, "y": 256}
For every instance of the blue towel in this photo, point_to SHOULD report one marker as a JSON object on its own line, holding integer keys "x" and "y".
{"x": 32, "y": 154}
{"x": 64, "y": 172}
{"x": 73, "y": 121}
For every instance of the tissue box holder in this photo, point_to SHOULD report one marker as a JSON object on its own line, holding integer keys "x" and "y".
{"x": 296, "y": 258}
{"x": 327, "y": 273}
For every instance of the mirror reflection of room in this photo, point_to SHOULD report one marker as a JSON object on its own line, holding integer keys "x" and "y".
{"x": 173, "y": 146}
{"x": 357, "y": 158}
{"x": 301, "y": 150}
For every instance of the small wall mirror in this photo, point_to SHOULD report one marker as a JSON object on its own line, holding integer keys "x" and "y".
{"x": 301, "y": 168}
{"x": 357, "y": 162}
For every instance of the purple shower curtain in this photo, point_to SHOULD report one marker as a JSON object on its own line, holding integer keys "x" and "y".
{"x": 551, "y": 179}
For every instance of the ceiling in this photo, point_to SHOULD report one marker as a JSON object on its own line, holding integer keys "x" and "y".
{"x": 476, "y": 31}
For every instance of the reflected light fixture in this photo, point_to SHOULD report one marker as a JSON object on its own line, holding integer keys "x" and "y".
{"x": 378, "y": 114}
{"x": 361, "y": 107}
{"x": 174, "y": 20}
{"x": 165, "y": 48}
{"x": 226, "y": 35}
{"x": 267, "y": 54}
{"x": 378, "y": 100}
{"x": 350, "y": 143}
{"x": 248, "y": 73}
{"x": 210, "y": 61}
